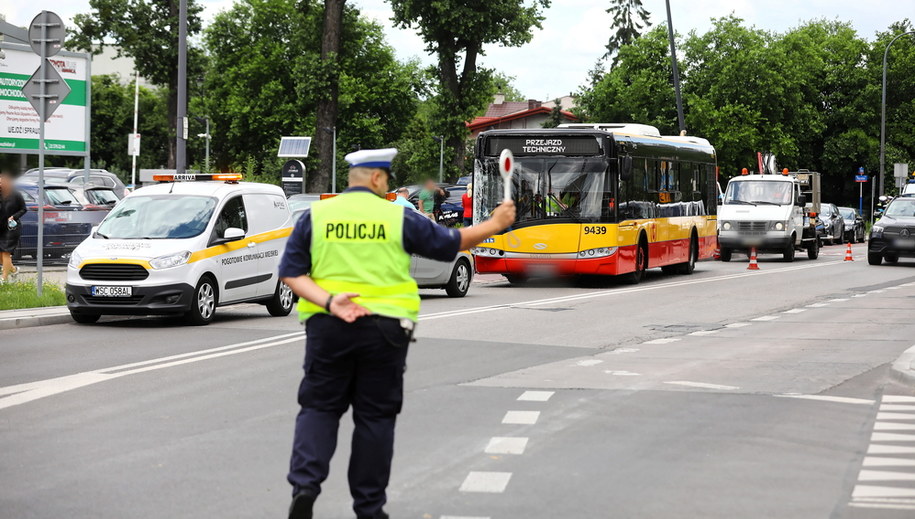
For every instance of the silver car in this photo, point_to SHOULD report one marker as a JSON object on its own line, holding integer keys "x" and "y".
{"x": 453, "y": 276}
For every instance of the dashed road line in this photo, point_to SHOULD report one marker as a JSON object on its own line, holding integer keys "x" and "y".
{"x": 701, "y": 385}
{"x": 795, "y": 311}
{"x": 622, "y": 373}
{"x": 589, "y": 362}
{"x": 619, "y": 351}
{"x": 665, "y": 340}
{"x": 838, "y": 300}
{"x": 521, "y": 417}
{"x": 737, "y": 325}
{"x": 766, "y": 318}
{"x": 817, "y": 305}
{"x": 506, "y": 445}
{"x": 702, "y": 333}
{"x": 535, "y": 396}
{"x": 486, "y": 482}
{"x": 827, "y": 398}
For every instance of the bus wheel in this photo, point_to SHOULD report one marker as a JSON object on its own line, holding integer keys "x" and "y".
{"x": 641, "y": 264}
{"x": 689, "y": 266}
{"x": 516, "y": 279}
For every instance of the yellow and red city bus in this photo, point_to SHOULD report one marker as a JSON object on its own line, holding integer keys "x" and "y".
{"x": 595, "y": 202}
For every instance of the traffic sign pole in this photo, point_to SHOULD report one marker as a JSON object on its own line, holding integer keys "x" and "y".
{"x": 43, "y": 88}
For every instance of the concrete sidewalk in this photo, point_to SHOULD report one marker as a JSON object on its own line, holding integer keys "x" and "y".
{"x": 10, "y": 319}
{"x": 903, "y": 369}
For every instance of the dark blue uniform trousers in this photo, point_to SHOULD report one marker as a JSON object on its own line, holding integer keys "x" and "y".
{"x": 359, "y": 364}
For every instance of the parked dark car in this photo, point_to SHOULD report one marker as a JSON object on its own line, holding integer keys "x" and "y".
{"x": 833, "y": 222}
{"x": 452, "y": 209}
{"x": 96, "y": 198}
{"x": 893, "y": 235}
{"x": 854, "y": 224}
{"x": 66, "y": 224}
{"x": 77, "y": 178}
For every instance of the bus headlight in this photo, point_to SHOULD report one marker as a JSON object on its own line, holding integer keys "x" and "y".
{"x": 602, "y": 252}
{"x": 172, "y": 260}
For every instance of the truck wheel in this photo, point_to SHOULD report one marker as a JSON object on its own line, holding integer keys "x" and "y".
{"x": 874, "y": 258}
{"x": 725, "y": 254}
{"x": 813, "y": 249}
{"x": 83, "y": 318}
{"x": 788, "y": 253}
{"x": 282, "y": 301}
{"x": 203, "y": 303}
{"x": 459, "y": 283}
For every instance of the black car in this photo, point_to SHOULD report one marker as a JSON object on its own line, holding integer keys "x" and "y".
{"x": 854, "y": 225}
{"x": 894, "y": 234}
{"x": 452, "y": 208}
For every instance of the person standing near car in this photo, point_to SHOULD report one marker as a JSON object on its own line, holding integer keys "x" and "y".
{"x": 348, "y": 259}
{"x": 427, "y": 199}
{"x": 12, "y": 207}
{"x": 403, "y": 198}
{"x": 467, "y": 202}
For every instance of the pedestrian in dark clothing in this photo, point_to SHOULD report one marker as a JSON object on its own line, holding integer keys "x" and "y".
{"x": 12, "y": 207}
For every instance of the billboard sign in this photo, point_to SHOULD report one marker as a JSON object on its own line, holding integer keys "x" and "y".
{"x": 65, "y": 131}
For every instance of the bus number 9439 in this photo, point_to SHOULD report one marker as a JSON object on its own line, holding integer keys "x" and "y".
{"x": 595, "y": 229}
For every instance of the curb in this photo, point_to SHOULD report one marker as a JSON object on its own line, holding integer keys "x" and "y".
{"x": 903, "y": 368}
{"x": 25, "y": 320}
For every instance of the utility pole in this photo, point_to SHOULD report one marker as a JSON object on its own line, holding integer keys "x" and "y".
{"x": 883, "y": 108}
{"x": 181, "y": 137}
{"x": 136, "y": 112}
{"x": 673, "y": 62}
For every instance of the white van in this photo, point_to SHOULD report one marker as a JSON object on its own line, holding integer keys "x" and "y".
{"x": 184, "y": 248}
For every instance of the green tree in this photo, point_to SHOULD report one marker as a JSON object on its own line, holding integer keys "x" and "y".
{"x": 147, "y": 31}
{"x": 262, "y": 83}
{"x": 629, "y": 19}
{"x": 555, "y": 118}
{"x": 456, "y": 32}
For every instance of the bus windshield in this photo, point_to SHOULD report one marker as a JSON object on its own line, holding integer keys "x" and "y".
{"x": 754, "y": 192}
{"x": 158, "y": 217}
{"x": 552, "y": 188}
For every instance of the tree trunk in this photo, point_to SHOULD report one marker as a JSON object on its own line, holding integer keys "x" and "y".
{"x": 319, "y": 181}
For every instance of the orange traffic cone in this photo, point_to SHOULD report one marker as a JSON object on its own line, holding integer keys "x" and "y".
{"x": 753, "y": 265}
{"x": 848, "y": 253}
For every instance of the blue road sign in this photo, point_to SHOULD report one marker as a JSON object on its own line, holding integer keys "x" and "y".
{"x": 860, "y": 178}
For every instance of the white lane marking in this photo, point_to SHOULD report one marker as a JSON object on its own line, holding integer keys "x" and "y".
{"x": 877, "y": 491}
{"x": 701, "y": 385}
{"x": 616, "y": 292}
{"x": 737, "y": 325}
{"x": 622, "y": 373}
{"x": 486, "y": 482}
{"x": 891, "y": 288}
{"x": 817, "y": 305}
{"x": 506, "y": 445}
{"x": 589, "y": 362}
{"x": 766, "y": 318}
{"x": 623, "y": 350}
{"x": 521, "y": 417}
{"x": 702, "y": 333}
{"x": 838, "y": 300}
{"x": 892, "y": 437}
{"x": 665, "y": 340}
{"x": 860, "y": 295}
{"x": 536, "y": 396}
{"x": 889, "y": 449}
{"x": 29, "y": 392}
{"x": 895, "y": 416}
{"x": 899, "y": 399}
{"x": 826, "y": 398}
{"x": 876, "y": 292}
{"x": 897, "y": 407}
{"x": 894, "y": 426}
{"x": 876, "y": 461}
{"x": 795, "y": 311}
{"x": 885, "y": 475}
{"x": 884, "y": 504}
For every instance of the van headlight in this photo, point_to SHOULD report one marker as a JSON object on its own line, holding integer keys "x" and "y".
{"x": 779, "y": 226}
{"x": 726, "y": 226}
{"x": 171, "y": 260}
{"x": 75, "y": 260}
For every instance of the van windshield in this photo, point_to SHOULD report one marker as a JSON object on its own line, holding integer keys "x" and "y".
{"x": 158, "y": 217}
{"x": 758, "y": 192}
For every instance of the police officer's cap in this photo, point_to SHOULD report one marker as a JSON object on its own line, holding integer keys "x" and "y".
{"x": 373, "y": 159}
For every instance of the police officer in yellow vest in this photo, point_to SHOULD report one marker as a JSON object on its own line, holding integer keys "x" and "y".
{"x": 348, "y": 260}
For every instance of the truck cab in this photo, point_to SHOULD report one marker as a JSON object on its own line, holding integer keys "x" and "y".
{"x": 767, "y": 212}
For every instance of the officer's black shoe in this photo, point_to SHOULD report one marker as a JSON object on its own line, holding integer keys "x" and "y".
{"x": 301, "y": 506}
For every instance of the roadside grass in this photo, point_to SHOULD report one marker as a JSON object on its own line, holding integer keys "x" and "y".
{"x": 19, "y": 295}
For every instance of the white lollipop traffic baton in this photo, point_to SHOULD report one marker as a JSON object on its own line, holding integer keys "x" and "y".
{"x": 507, "y": 169}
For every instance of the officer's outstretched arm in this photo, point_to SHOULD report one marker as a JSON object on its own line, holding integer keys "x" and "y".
{"x": 342, "y": 305}
{"x": 502, "y": 218}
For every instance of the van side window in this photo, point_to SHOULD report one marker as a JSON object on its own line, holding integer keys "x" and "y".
{"x": 232, "y": 215}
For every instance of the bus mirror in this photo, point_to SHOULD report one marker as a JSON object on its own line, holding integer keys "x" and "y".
{"x": 626, "y": 168}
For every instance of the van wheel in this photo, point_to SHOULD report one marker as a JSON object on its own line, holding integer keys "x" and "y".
{"x": 83, "y": 318}
{"x": 813, "y": 249}
{"x": 282, "y": 301}
{"x": 725, "y": 254}
{"x": 460, "y": 280}
{"x": 203, "y": 303}
{"x": 788, "y": 253}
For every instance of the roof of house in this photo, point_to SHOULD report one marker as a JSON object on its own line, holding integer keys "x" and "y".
{"x": 489, "y": 119}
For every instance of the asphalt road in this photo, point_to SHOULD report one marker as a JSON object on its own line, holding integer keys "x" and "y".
{"x": 724, "y": 394}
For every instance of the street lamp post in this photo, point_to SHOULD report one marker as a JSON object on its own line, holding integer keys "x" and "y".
{"x": 181, "y": 115}
{"x": 441, "y": 157}
{"x": 883, "y": 107}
